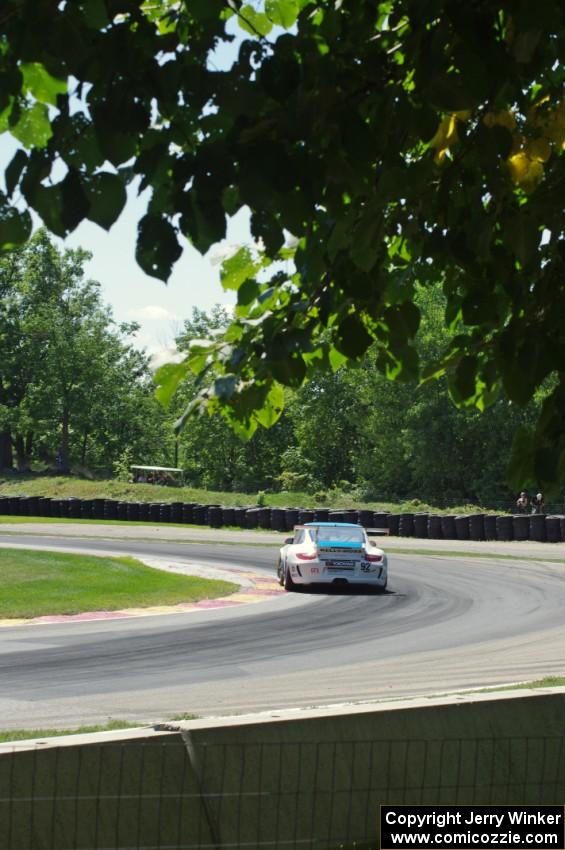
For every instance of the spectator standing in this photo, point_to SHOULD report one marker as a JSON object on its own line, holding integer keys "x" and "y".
{"x": 523, "y": 503}
{"x": 538, "y": 503}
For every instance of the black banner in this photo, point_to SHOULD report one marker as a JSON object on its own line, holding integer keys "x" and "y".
{"x": 479, "y": 827}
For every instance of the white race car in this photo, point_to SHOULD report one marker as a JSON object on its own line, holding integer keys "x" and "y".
{"x": 331, "y": 553}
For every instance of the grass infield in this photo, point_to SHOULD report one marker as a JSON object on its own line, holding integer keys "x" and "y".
{"x": 35, "y": 584}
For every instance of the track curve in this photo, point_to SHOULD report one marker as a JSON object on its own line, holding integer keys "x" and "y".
{"x": 446, "y": 624}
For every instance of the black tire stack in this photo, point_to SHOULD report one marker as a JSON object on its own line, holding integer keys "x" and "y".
{"x": 176, "y": 512}
{"x": 490, "y": 526}
{"x": 264, "y": 517}
{"x": 215, "y": 517}
{"x": 164, "y": 512}
{"x": 421, "y": 525}
{"x": 553, "y": 529}
{"x": 537, "y": 528}
{"x": 278, "y": 519}
{"x": 521, "y": 527}
{"x": 110, "y": 509}
{"x": 366, "y": 519}
{"x": 122, "y": 510}
{"x": 154, "y": 512}
{"x": 448, "y": 529}
{"x": 98, "y": 508}
{"x": 504, "y": 527}
{"x": 477, "y": 527}
{"x": 228, "y": 516}
{"x": 380, "y": 519}
{"x": 462, "y": 529}
{"x": 252, "y": 518}
{"x": 305, "y": 516}
{"x": 291, "y": 518}
{"x": 44, "y": 506}
{"x": 406, "y": 525}
{"x": 188, "y": 512}
{"x": 132, "y": 512}
{"x": 199, "y": 514}
{"x": 435, "y": 531}
{"x": 239, "y": 517}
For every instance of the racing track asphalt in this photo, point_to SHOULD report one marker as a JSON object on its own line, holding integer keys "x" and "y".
{"x": 446, "y": 624}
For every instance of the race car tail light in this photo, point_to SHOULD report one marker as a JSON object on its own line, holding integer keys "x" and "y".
{"x": 374, "y": 559}
{"x": 306, "y": 556}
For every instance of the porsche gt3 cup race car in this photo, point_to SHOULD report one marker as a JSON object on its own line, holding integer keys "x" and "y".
{"x": 331, "y": 553}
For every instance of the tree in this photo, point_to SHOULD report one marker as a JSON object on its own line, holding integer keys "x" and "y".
{"x": 213, "y": 455}
{"x": 70, "y": 381}
{"x": 401, "y": 141}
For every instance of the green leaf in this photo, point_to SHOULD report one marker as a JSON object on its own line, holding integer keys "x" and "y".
{"x": 272, "y": 408}
{"x": 74, "y": 202}
{"x": 255, "y": 23}
{"x": 353, "y": 339}
{"x": 403, "y": 320}
{"x": 264, "y": 226}
{"x": 246, "y": 294}
{"x": 237, "y": 269}
{"x": 337, "y": 359}
{"x": 157, "y": 246}
{"x": 291, "y": 371}
{"x": 5, "y": 117}
{"x": 283, "y": 13}
{"x": 167, "y": 378}
{"x": 523, "y": 236}
{"x": 14, "y": 170}
{"x": 41, "y": 84}
{"x": 367, "y": 244}
{"x": 47, "y": 201}
{"x": 33, "y": 128}
{"x": 225, "y": 387}
{"x": 392, "y": 184}
{"x": 463, "y": 384}
{"x": 107, "y": 196}
{"x": 15, "y": 227}
{"x": 95, "y": 14}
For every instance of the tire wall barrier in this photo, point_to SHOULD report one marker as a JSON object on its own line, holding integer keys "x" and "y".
{"x": 505, "y": 527}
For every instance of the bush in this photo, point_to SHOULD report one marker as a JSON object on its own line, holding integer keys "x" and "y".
{"x": 293, "y": 481}
{"x": 122, "y": 466}
{"x": 320, "y": 496}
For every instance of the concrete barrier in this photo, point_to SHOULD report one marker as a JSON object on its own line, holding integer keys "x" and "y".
{"x": 281, "y": 780}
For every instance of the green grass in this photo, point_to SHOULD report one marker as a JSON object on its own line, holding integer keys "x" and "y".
{"x": 26, "y": 734}
{"x": 35, "y": 584}
{"x": 62, "y": 487}
{"x": 546, "y": 682}
{"x": 111, "y": 726}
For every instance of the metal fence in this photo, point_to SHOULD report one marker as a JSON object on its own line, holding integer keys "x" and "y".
{"x": 176, "y": 793}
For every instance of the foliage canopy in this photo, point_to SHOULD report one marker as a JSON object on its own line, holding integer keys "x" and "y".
{"x": 376, "y": 145}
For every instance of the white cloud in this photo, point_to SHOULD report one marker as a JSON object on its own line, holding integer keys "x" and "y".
{"x": 152, "y": 312}
{"x": 166, "y": 355}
